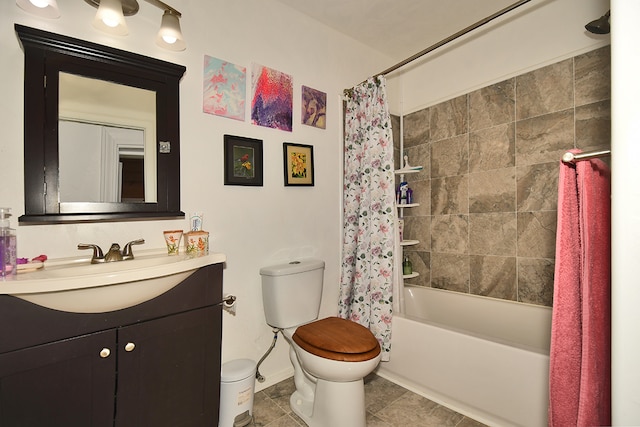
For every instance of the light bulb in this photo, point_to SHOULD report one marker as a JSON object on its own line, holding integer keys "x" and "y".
{"x": 110, "y": 18}
{"x": 41, "y": 8}
{"x": 110, "y": 21}
{"x": 169, "y": 39}
{"x": 39, "y": 3}
{"x": 170, "y": 35}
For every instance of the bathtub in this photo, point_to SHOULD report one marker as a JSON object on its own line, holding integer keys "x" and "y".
{"x": 482, "y": 357}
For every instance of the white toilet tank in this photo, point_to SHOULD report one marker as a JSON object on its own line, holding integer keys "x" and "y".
{"x": 291, "y": 292}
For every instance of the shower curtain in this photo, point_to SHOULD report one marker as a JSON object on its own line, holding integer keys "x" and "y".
{"x": 580, "y": 357}
{"x": 368, "y": 207}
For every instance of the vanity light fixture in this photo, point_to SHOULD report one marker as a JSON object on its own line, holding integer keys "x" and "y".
{"x": 170, "y": 36}
{"x": 42, "y": 8}
{"x": 111, "y": 13}
{"x": 110, "y": 16}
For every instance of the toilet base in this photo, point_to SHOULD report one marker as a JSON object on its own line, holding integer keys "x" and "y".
{"x": 336, "y": 404}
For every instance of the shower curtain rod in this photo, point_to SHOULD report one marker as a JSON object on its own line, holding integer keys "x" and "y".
{"x": 569, "y": 157}
{"x": 450, "y": 38}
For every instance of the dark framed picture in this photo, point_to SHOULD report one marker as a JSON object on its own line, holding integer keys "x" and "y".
{"x": 242, "y": 161}
{"x": 298, "y": 164}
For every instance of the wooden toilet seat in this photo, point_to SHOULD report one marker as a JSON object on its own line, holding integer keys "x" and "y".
{"x": 337, "y": 339}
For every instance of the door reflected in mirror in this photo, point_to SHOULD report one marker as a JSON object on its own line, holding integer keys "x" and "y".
{"x": 106, "y": 141}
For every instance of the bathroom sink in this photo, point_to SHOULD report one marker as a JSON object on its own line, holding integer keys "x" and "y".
{"x": 75, "y": 285}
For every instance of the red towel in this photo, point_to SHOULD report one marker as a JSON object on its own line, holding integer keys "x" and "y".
{"x": 580, "y": 358}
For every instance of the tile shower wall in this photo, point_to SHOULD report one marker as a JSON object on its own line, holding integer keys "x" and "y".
{"x": 488, "y": 191}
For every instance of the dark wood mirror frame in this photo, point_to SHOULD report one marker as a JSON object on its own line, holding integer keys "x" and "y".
{"x": 46, "y": 54}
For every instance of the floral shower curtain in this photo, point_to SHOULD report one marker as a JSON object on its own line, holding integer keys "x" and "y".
{"x": 369, "y": 227}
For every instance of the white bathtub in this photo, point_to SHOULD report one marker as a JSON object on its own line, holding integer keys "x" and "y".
{"x": 482, "y": 357}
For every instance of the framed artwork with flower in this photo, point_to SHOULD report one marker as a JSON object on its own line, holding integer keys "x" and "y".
{"x": 298, "y": 164}
{"x": 242, "y": 161}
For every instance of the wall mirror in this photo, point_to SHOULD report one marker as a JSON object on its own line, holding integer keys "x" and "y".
{"x": 101, "y": 132}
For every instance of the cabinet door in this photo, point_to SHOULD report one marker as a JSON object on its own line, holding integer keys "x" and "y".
{"x": 169, "y": 371}
{"x": 65, "y": 383}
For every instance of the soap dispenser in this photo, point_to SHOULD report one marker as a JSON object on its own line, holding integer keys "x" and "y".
{"x": 407, "y": 268}
{"x": 8, "y": 246}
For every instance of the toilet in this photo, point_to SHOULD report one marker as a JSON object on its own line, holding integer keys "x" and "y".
{"x": 330, "y": 356}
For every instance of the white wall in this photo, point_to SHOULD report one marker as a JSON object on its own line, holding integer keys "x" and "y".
{"x": 625, "y": 205}
{"x": 253, "y": 226}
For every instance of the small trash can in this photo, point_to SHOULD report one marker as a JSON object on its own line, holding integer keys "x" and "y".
{"x": 237, "y": 386}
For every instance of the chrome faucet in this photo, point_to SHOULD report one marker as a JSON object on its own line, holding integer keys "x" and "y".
{"x": 114, "y": 253}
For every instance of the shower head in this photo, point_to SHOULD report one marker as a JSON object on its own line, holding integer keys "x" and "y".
{"x": 600, "y": 25}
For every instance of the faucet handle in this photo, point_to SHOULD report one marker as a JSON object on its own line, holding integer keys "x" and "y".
{"x": 97, "y": 256}
{"x": 127, "y": 253}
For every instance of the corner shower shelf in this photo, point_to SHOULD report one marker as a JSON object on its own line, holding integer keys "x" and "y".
{"x": 403, "y": 243}
{"x": 403, "y": 171}
{"x": 407, "y": 205}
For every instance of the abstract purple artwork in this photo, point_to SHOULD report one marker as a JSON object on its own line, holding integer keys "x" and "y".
{"x": 272, "y": 98}
{"x": 224, "y": 88}
{"x": 314, "y": 107}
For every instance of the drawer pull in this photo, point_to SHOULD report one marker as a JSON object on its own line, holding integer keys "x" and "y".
{"x": 129, "y": 346}
{"x": 105, "y": 352}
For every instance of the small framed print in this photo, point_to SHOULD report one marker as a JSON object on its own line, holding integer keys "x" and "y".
{"x": 242, "y": 161}
{"x": 298, "y": 164}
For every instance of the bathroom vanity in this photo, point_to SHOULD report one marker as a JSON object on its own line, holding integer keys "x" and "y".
{"x": 156, "y": 363}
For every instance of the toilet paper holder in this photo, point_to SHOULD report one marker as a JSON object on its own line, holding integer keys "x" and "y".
{"x": 228, "y": 303}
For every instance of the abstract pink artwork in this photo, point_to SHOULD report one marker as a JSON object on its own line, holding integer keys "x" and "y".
{"x": 224, "y": 88}
{"x": 272, "y": 98}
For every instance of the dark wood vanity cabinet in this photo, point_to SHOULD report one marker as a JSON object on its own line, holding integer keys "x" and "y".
{"x": 154, "y": 364}
{"x": 64, "y": 383}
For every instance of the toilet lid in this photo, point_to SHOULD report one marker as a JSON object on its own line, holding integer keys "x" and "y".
{"x": 337, "y": 339}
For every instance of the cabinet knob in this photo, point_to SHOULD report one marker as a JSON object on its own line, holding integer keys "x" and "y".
{"x": 105, "y": 352}
{"x": 129, "y": 346}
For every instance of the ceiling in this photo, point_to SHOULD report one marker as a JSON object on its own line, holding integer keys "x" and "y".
{"x": 398, "y": 28}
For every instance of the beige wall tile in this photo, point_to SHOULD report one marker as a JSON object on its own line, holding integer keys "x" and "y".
{"x": 450, "y": 156}
{"x": 493, "y": 234}
{"x": 449, "y": 118}
{"x": 537, "y": 234}
{"x": 416, "y": 128}
{"x": 418, "y": 228}
{"x": 544, "y": 138}
{"x": 491, "y": 158}
{"x": 545, "y": 90}
{"x": 450, "y": 234}
{"x": 593, "y": 76}
{"x": 537, "y": 187}
{"x": 535, "y": 281}
{"x": 492, "y": 105}
{"x": 493, "y": 191}
{"x": 418, "y": 155}
{"x": 450, "y": 195}
{"x": 492, "y": 148}
{"x": 493, "y": 276}
{"x": 450, "y": 271}
{"x": 593, "y": 126}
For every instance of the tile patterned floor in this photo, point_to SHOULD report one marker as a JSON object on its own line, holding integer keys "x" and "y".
{"x": 388, "y": 405}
